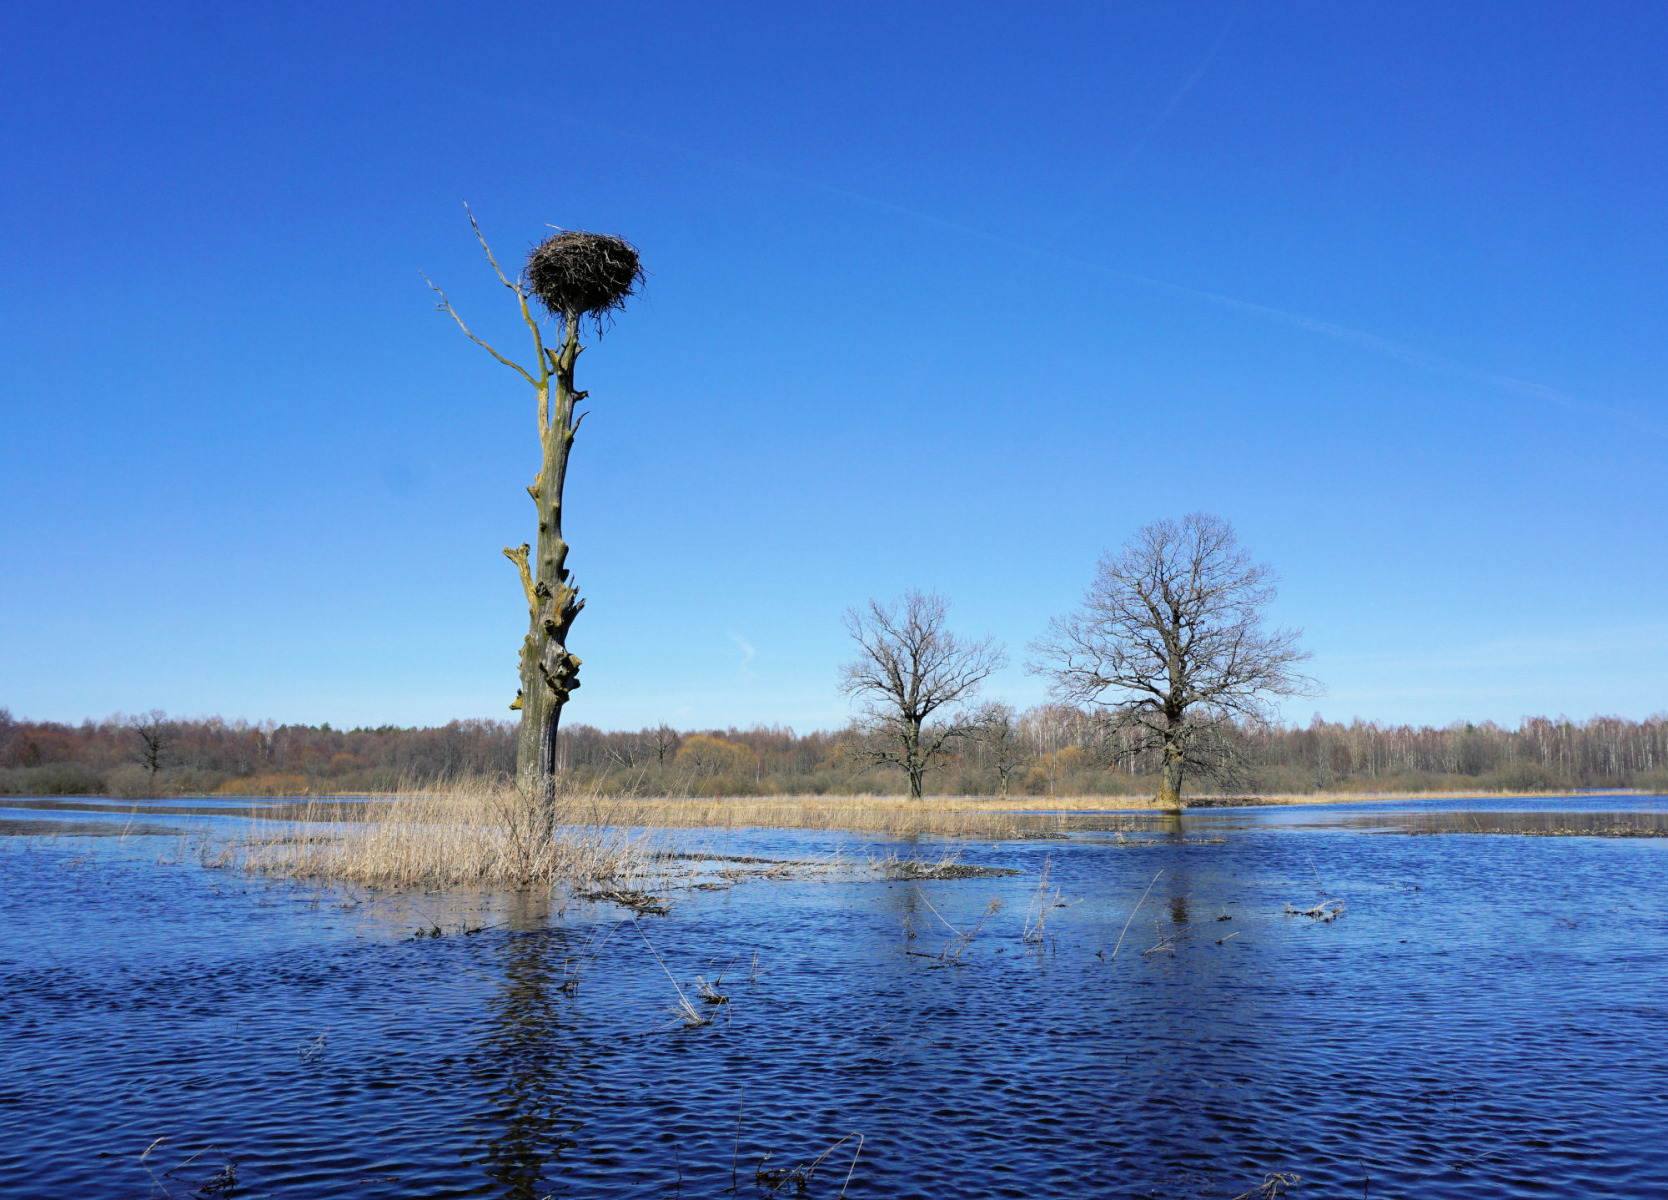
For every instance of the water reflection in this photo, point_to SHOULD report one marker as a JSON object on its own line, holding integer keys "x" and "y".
{"x": 1470, "y": 1029}
{"x": 524, "y": 1067}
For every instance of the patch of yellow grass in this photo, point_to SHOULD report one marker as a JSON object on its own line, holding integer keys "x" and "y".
{"x": 270, "y": 784}
{"x": 477, "y": 834}
{"x": 943, "y": 816}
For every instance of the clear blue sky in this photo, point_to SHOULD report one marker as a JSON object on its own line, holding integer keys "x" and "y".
{"x": 947, "y": 296}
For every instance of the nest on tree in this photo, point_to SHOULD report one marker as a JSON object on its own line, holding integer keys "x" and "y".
{"x": 585, "y": 274}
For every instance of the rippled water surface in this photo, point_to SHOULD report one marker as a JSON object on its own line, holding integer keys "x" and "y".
{"x": 1486, "y": 1018}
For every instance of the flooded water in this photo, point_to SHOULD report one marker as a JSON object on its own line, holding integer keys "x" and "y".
{"x": 1485, "y": 1018}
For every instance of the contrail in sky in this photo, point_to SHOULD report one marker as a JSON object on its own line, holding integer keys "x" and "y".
{"x": 1156, "y": 124}
{"x": 1411, "y": 355}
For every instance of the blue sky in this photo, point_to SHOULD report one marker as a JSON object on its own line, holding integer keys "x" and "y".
{"x": 944, "y": 296}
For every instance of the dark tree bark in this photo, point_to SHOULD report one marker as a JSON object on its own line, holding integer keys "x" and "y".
{"x": 549, "y": 672}
{"x": 1170, "y": 644}
{"x": 156, "y": 734}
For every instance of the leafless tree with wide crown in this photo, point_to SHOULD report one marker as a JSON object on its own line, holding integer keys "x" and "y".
{"x": 1170, "y": 645}
{"x": 910, "y": 667}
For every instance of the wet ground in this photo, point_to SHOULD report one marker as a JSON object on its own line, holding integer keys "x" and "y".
{"x": 1484, "y": 1019}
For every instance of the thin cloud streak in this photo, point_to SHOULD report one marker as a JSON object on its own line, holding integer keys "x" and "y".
{"x": 1360, "y": 339}
{"x": 742, "y": 671}
{"x": 1134, "y": 152}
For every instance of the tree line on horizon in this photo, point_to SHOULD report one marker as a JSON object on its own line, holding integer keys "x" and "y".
{"x": 1052, "y": 749}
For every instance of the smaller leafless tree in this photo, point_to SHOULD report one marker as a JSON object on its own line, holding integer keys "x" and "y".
{"x": 627, "y": 750}
{"x": 156, "y": 734}
{"x": 909, "y": 668}
{"x": 995, "y": 728}
{"x": 665, "y": 740}
{"x": 1170, "y": 645}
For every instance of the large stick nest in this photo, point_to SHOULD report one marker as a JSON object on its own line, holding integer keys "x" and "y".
{"x": 583, "y": 274}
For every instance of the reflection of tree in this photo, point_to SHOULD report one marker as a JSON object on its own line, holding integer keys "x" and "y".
{"x": 1174, "y": 828}
{"x": 523, "y": 1064}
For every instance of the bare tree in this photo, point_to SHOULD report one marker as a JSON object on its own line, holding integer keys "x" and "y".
{"x": 625, "y": 749}
{"x": 996, "y": 729}
{"x": 573, "y": 275}
{"x": 156, "y": 733}
{"x": 1170, "y": 643}
{"x": 665, "y": 740}
{"x": 909, "y": 666}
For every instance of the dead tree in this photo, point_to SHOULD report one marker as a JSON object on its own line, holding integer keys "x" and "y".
{"x": 1170, "y": 645}
{"x": 573, "y": 275}
{"x": 909, "y": 667}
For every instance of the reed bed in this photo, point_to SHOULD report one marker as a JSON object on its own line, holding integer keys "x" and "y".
{"x": 894, "y": 816}
{"x": 481, "y": 833}
{"x": 486, "y": 844}
{"x": 475, "y": 834}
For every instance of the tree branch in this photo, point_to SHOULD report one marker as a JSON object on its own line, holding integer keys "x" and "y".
{"x": 445, "y": 306}
{"x": 519, "y": 557}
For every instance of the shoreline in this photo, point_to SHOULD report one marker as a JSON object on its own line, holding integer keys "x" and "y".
{"x": 959, "y": 803}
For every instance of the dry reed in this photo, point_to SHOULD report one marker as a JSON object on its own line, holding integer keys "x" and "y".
{"x": 1038, "y": 911}
{"x": 896, "y": 816}
{"x": 976, "y": 817}
{"x": 477, "y": 834}
{"x": 684, "y": 1014}
{"x": 960, "y": 939}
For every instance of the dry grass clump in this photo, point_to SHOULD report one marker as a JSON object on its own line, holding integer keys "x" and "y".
{"x": 941, "y": 816}
{"x": 587, "y": 274}
{"x": 268, "y": 784}
{"x": 479, "y": 834}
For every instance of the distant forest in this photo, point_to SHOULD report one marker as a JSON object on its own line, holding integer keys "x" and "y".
{"x": 1051, "y": 750}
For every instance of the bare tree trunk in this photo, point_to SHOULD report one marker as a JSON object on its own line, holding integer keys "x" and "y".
{"x": 1171, "y": 770}
{"x": 914, "y": 766}
{"x": 573, "y": 275}
{"x": 549, "y": 673}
